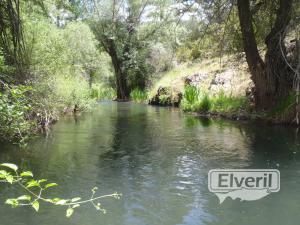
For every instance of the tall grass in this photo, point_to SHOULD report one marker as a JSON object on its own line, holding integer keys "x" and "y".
{"x": 138, "y": 95}
{"x": 103, "y": 93}
{"x": 191, "y": 94}
{"x": 196, "y": 101}
{"x": 228, "y": 104}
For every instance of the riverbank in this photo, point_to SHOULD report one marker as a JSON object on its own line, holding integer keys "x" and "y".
{"x": 214, "y": 88}
{"x": 208, "y": 87}
{"x": 26, "y": 111}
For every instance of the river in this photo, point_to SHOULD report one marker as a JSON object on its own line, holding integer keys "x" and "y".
{"x": 158, "y": 158}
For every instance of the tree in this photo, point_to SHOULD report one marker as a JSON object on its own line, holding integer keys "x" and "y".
{"x": 11, "y": 35}
{"x": 273, "y": 78}
{"x": 116, "y": 26}
{"x": 12, "y": 41}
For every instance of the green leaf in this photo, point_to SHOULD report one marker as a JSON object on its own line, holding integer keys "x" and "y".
{"x": 11, "y": 166}
{"x": 50, "y": 185}
{"x": 41, "y": 181}
{"x": 3, "y": 172}
{"x": 26, "y": 174}
{"x": 32, "y": 183}
{"x": 13, "y": 202}
{"x": 75, "y": 199}
{"x": 9, "y": 178}
{"x": 24, "y": 197}
{"x": 36, "y": 205}
{"x": 69, "y": 212}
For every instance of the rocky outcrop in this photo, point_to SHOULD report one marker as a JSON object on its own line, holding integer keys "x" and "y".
{"x": 231, "y": 81}
{"x": 195, "y": 79}
{"x": 166, "y": 96}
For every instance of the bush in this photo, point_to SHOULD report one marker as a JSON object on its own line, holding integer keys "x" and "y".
{"x": 63, "y": 63}
{"x": 15, "y": 110}
{"x": 160, "y": 58}
{"x": 184, "y": 54}
{"x": 62, "y": 77}
{"x": 138, "y": 95}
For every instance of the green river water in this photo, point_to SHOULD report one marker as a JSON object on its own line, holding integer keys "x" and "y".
{"x": 158, "y": 158}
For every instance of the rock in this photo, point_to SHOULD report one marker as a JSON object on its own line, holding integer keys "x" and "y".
{"x": 195, "y": 79}
{"x": 166, "y": 96}
{"x": 223, "y": 78}
{"x": 230, "y": 82}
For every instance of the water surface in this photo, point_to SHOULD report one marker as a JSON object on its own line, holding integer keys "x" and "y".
{"x": 158, "y": 158}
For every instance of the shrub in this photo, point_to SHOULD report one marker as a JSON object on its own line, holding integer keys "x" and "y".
{"x": 15, "y": 110}
{"x": 183, "y": 54}
{"x": 160, "y": 57}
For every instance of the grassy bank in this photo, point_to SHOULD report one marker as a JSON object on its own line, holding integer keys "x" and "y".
{"x": 217, "y": 87}
{"x": 219, "y": 104}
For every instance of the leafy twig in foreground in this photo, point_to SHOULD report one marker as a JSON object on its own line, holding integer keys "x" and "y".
{"x": 35, "y": 188}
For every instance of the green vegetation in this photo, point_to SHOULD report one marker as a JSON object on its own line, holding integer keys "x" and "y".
{"x": 15, "y": 109}
{"x": 35, "y": 189}
{"x": 196, "y": 101}
{"x": 191, "y": 94}
{"x": 56, "y": 69}
{"x": 61, "y": 56}
{"x": 103, "y": 93}
{"x": 212, "y": 57}
{"x": 229, "y": 104}
{"x": 138, "y": 95}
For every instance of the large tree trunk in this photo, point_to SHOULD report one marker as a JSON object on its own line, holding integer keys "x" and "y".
{"x": 272, "y": 78}
{"x": 122, "y": 87}
{"x": 276, "y": 66}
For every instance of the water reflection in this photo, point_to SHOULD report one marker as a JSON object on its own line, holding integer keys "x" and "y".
{"x": 159, "y": 159}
